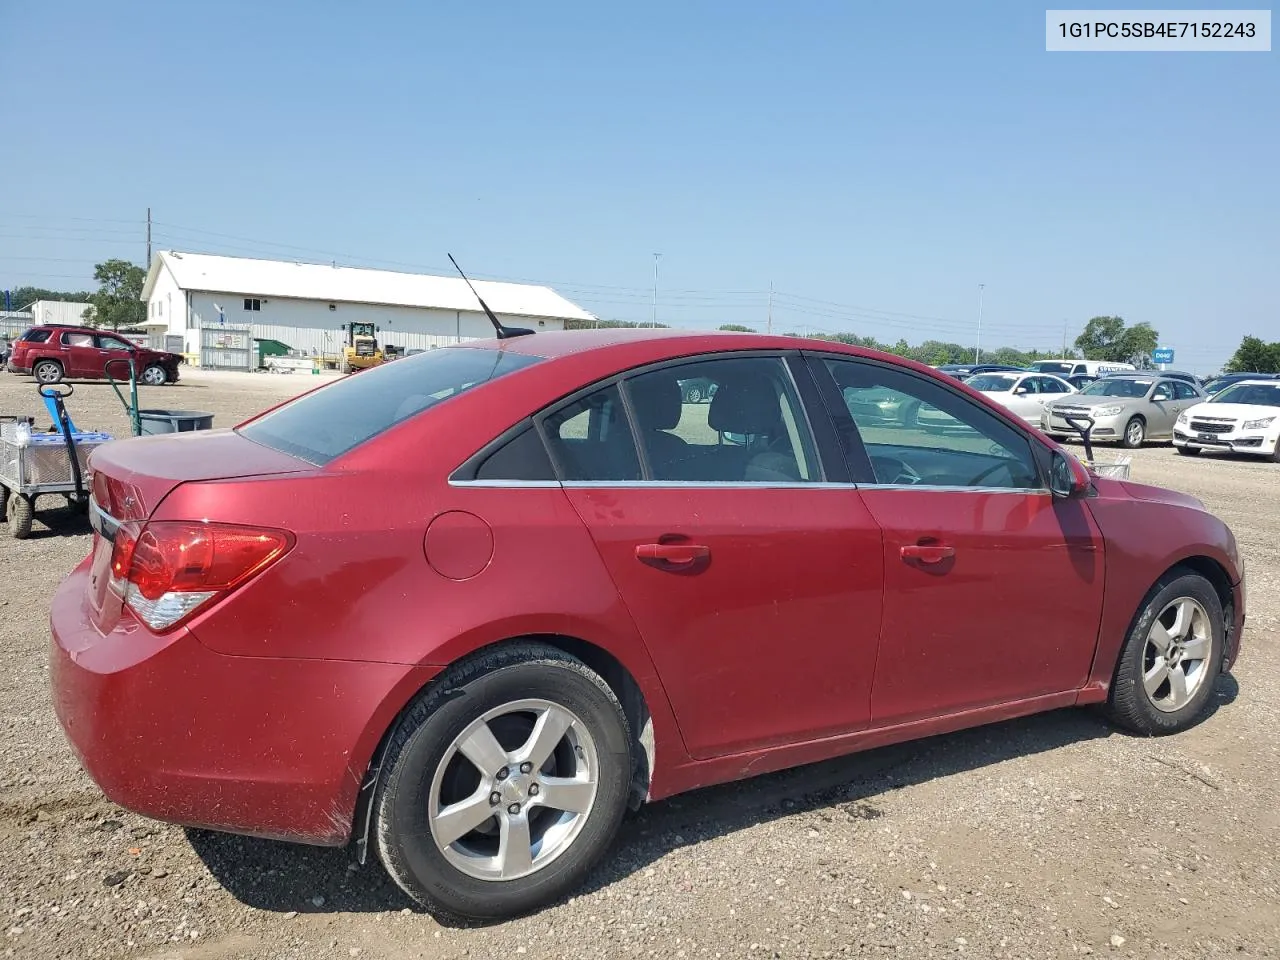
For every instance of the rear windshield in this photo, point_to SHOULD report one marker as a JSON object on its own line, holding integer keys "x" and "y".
{"x": 320, "y": 426}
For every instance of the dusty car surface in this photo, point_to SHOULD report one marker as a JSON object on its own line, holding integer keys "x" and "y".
{"x": 465, "y": 608}
{"x": 1128, "y": 408}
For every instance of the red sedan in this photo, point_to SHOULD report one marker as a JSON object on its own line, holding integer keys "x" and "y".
{"x": 469, "y": 606}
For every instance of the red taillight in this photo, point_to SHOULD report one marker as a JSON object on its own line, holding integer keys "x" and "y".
{"x": 170, "y": 569}
{"x": 118, "y": 499}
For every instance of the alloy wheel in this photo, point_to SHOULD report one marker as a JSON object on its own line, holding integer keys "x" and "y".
{"x": 1175, "y": 659}
{"x": 1134, "y": 433}
{"x": 513, "y": 790}
{"x": 154, "y": 376}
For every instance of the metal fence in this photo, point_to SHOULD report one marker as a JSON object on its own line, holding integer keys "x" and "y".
{"x": 226, "y": 347}
{"x": 13, "y": 323}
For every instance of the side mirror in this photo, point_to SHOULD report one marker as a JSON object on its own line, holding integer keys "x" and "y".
{"x": 1019, "y": 391}
{"x": 1068, "y": 477}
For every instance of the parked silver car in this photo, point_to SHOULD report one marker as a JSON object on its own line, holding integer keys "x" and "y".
{"x": 1129, "y": 408}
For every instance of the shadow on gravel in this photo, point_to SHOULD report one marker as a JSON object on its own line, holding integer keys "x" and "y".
{"x": 284, "y": 877}
{"x": 54, "y": 519}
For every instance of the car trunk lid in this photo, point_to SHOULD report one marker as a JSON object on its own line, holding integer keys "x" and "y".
{"x": 131, "y": 477}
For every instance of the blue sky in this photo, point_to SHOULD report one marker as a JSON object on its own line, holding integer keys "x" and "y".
{"x": 875, "y": 162}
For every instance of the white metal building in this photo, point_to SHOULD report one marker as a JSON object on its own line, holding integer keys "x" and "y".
{"x": 57, "y": 311}
{"x": 306, "y": 305}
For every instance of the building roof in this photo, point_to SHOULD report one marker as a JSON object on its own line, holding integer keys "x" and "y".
{"x": 312, "y": 281}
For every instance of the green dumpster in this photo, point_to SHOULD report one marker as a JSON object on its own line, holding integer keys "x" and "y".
{"x": 270, "y": 348}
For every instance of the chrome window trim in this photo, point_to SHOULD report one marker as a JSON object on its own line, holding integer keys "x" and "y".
{"x": 734, "y": 485}
{"x": 941, "y": 488}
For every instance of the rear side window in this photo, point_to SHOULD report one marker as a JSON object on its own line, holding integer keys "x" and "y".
{"x": 320, "y": 426}
{"x": 35, "y": 336}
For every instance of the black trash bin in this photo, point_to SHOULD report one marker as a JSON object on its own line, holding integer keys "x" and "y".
{"x": 174, "y": 421}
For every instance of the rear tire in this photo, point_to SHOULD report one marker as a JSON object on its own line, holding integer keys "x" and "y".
{"x": 476, "y": 863}
{"x": 47, "y": 371}
{"x": 21, "y": 511}
{"x": 1188, "y": 451}
{"x": 1154, "y": 693}
{"x": 1135, "y": 432}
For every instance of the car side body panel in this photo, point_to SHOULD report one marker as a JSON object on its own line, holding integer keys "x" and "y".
{"x": 1142, "y": 545}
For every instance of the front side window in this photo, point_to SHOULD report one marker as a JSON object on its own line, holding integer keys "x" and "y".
{"x": 1163, "y": 391}
{"x": 319, "y": 426}
{"x": 1051, "y": 385}
{"x": 752, "y": 431}
{"x": 916, "y": 432}
{"x": 1184, "y": 391}
{"x": 111, "y": 343}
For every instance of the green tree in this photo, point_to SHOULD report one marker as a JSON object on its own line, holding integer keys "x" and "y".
{"x": 118, "y": 302}
{"x": 736, "y": 328}
{"x": 25, "y": 296}
{"x": 1107, "y": 338}
{"x": 1254, "y": 355}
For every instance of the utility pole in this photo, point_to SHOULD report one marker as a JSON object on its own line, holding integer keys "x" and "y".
{"x": 148, "y": 267}
{"x": 656, "y": 258}
{"x": 977, "y": 350}
{"x": 769, "y": 320}
{"x": 1064, "y": 339}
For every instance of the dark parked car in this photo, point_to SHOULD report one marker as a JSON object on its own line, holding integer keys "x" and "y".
{"x": 563, "y": 593}
{"x": 962, "y": 371}
{"x": 1216, "y": 385}
{"x": 697, "y": 390}
{"x": 52, "y": 353}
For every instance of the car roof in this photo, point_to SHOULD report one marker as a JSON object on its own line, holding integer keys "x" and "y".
{"x": 73, "y": 328}
{"x": 675, "y": 343}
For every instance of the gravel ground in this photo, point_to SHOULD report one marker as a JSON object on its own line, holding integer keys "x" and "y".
{"x": 1045, "y": 837}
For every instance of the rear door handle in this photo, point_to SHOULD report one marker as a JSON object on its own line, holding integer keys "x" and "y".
{"x": 928, "y": 552}
{"x": 677, "y": 554}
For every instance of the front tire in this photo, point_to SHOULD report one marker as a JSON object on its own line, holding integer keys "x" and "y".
{"x": 1171, "y": 658}
{"x": 154, "y": 376}
{"x": 504, "y": 784}
{"x": 1135, "y": 431}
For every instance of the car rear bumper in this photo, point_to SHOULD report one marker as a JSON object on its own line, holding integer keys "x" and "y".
{"x": 1253, "y": 441}
{"x": 261, "y": 746}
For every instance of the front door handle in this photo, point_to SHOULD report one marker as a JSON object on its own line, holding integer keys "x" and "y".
{"x": 676, "y": 554}
{"x": 928, "y": 552}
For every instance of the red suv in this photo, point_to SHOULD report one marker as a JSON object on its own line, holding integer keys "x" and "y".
{"x": 52, "y": 353}
{"x": 466, "y": 607}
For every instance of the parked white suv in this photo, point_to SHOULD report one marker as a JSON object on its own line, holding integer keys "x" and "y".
{"x": 1243, "y": 418}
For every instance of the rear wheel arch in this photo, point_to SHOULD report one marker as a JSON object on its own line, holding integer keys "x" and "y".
{"x": 610, "y": 669}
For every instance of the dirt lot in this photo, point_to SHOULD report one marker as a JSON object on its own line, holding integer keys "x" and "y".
{"x": 1046, "y": 837}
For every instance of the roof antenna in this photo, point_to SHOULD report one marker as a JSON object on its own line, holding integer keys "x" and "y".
{"x": 504, "y": 333}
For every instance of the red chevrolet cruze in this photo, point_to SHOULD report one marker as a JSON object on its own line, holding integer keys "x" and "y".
{"x": 466, "y": 607}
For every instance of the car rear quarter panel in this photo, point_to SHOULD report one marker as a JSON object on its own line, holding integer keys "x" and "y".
{"x": 358, "y": 584}
{"x": 1148, "y": 531}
